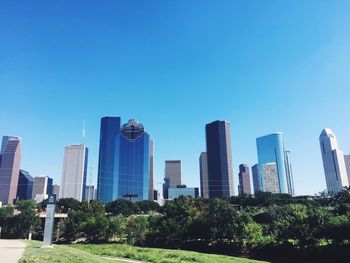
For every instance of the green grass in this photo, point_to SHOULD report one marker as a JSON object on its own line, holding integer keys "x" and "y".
{"x": 156, "y": 255}
{"x": 59, "y": 253}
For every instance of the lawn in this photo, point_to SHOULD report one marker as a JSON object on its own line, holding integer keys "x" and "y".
{"x": 59, "y": 253}
{"x": 156, "y": 255}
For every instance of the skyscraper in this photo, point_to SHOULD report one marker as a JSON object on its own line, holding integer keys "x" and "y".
{"x": 9, "y": 168}
{"x": 289, "y": 173}
{"x": 172, "y": 176}
{"x": 347, "y": 164}
{"x": 333, "y": 162}
{"x": 56, "y": 190}
{"x": 124, "y": 162}
{"x": 244, "y": 180}
{"x": 89, "y": 193}
{"x": 219, "y": 159}
{"x": 25, "y": 186}
{"x": 151, "y": 188}
{"x": 42, "y": 187}
{"x": 74, "y": 172}
{"x": 203, "y": 171}
{"x": 255, "y": 176}
{"x": 270, "y": 149}
{"x": 271, "y": 182}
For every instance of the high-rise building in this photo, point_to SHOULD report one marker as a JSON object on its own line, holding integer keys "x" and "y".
{"x": 9, "y": 168}
{"x": 74, "y": 172}
{"x": 271, "y": 182}
{"x": 42, "y": 188}
{"x": 172, "y": 176}
{"x": 25, "y": 186}
{"x": 270, "y": 149}
{"x": 56, "y": 190}
{"x": 255, "y": 176}
{"x": 347, "y": 164}
{"x": 289, "y": 173}
{"x": 333, "y": 162}
{"x": 124, "y": 161}
{"x": 151, "y": 188}
{"x": 244, "y": 180}
{"x": 203, "y": 172}
{"x": 219, "y": 159}
{"x": 182, "y": 190}
{"x": 89, "y": 193}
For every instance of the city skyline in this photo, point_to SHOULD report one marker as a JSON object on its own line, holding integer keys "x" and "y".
{"x": 253, "y": 64}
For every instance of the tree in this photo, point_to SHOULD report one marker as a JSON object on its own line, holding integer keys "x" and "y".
{"x": 27, "y": 217}
{"x": 66, "y": 204}
{"x": 146, "y": 206}
{"x": 121, "y": 207}
{"x": 136, "y": 230}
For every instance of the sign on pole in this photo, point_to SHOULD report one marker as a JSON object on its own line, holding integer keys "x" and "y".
{"x": 49, "y": 221}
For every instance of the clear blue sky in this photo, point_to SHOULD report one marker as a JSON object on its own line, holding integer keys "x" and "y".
{"x": 265, "y": 66}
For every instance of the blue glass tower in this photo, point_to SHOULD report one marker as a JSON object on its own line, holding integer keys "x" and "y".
{"x": 25, "y": 186}
{"x": 270, "y": 150}
{"x": 124, "y": 163}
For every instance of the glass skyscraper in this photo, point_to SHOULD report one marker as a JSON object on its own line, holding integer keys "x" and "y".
{"x": 124, "y": 161}
{"x": 270, "y": 149}
{"x": 25, "y": 185}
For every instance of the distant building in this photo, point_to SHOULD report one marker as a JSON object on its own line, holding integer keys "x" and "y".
{"x": 219, "y": 159}
{"x": 9, "y": 168}
{"x": 56, "y": 190}
{"x": 42, "y": 188}
{"x": 333, "y": 162}
{"x": 25, "y": 186}
{"x": 172, "y": 177}
{"x": 270, "y": 149}
{"x": 151, "y": 153}
{"x": 244, "y": 180}
{"x": 271, "y": 178}
{"x": 203, "y": 171}
{"x": 347, "y": 164}
{"x": 255, "y": 176}
{"x": 89, "y": 193}
{"x": 289, "y": 173}
{"x": 74, "y": 172}
{"x": 182, "y": 190}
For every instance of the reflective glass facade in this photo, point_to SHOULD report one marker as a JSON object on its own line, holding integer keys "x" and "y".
{"x": 25, "y": 186}
{"x": 270, "y": 149}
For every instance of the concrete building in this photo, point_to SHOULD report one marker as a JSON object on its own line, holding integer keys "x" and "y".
{"x": 255, "y": 176}
{"x": 219, "y": 159}
{"x": 333, "y": 162}
{"x": 9, "y": 168}
{"x": 74, "y": 172}
{"x": 42, "y": 188}
{"x": 172, "y": 176}
{"x": 56, "y": 190}
{"x": 203, "y": 171}
{"x": 244, "y": 180}
{"x": 271, "y": 178}
{"x": 25, "y": 186}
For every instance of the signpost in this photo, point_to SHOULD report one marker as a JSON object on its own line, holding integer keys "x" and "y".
{"x": 49, "y": 221}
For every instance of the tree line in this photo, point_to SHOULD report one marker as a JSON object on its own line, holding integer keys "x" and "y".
{"x": 266, "y": 226}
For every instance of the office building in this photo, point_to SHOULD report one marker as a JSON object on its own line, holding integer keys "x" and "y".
{"x": 270, "y": 149}
{"x": 74, "y": 172}
{"x": 347, "y": 165}
{"x": 203, "y": 172}
{"x": 151, "y": 188}
{"x": 333, "y": 162}
{"x": 89, "y": 193}
{"x": 219, "y": 159}
{"x": 271, "y": 182}
{"x": 182, "y": 190}
{"x": 56, "y": 190}
{"x": 244, "y": 180}
{"x": 255, "y": 176}
{"x": 9, "y": 168}
{"x": 172, "y": 176}
{"x": 25, "y": 186}
{"x": 289, "y": 173}
{"x": 124, "y": 161}
{"x": 42, "y": 188}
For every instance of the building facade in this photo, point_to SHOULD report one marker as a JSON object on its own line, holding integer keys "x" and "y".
{"x": 270, "y": 149}
{"x": 25, "y": 186}
{"x": 203, "y": 172}
{"x": 9, "y": 169}
{"x": 56, "y": 190}
{"x": 347, "y": 164}
{"x": 183, "y": 191}
{"x": 289, "y": 173}
{"x": 244, "y": 180}
{"x": 333, "y": 162}
{"x": 42, "y": 188}
{"x": 74, "y": 172}
{"x": 219, "y": 159}
{"x": 255, "y": 176}
{"x": 172, "y": 176}
{"x": 124, "y": 161}
{"x": 271, "y": 181}
{"x": 89, "y": 193}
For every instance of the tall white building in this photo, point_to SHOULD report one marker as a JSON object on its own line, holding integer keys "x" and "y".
{"x": 347, "y": 164}
{"x": 333, "y": 162}
{"x": 203, "y": 172}
{"x": 74, "y": 172}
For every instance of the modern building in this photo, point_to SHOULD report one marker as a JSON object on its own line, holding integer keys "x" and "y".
{"x": 42, "y": 188}
{"x": 255, "y": 176}
{"x": 151, "y": 153}
{"x": 124, "y": 161}
{"x": 270, "y": 149}
{"x": 172, "y": 176}
{"x": 347, "y": 164}
{"x": 219, "y": 159}
{"x": 89, "y": 193}
{"x": 9, "y": 168}
{"x": 25, "y": 186}
{"x": 271, "y": 182}
{"x": 182, "y": 190}
{"x": 203, "y": 172}
{"x": 289, "y": 173}
{"x": 74, "y": 172}
{"x": 244, "y": 180}
{"x": 333, "y": 162}
{"x": 56, "y": 190}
